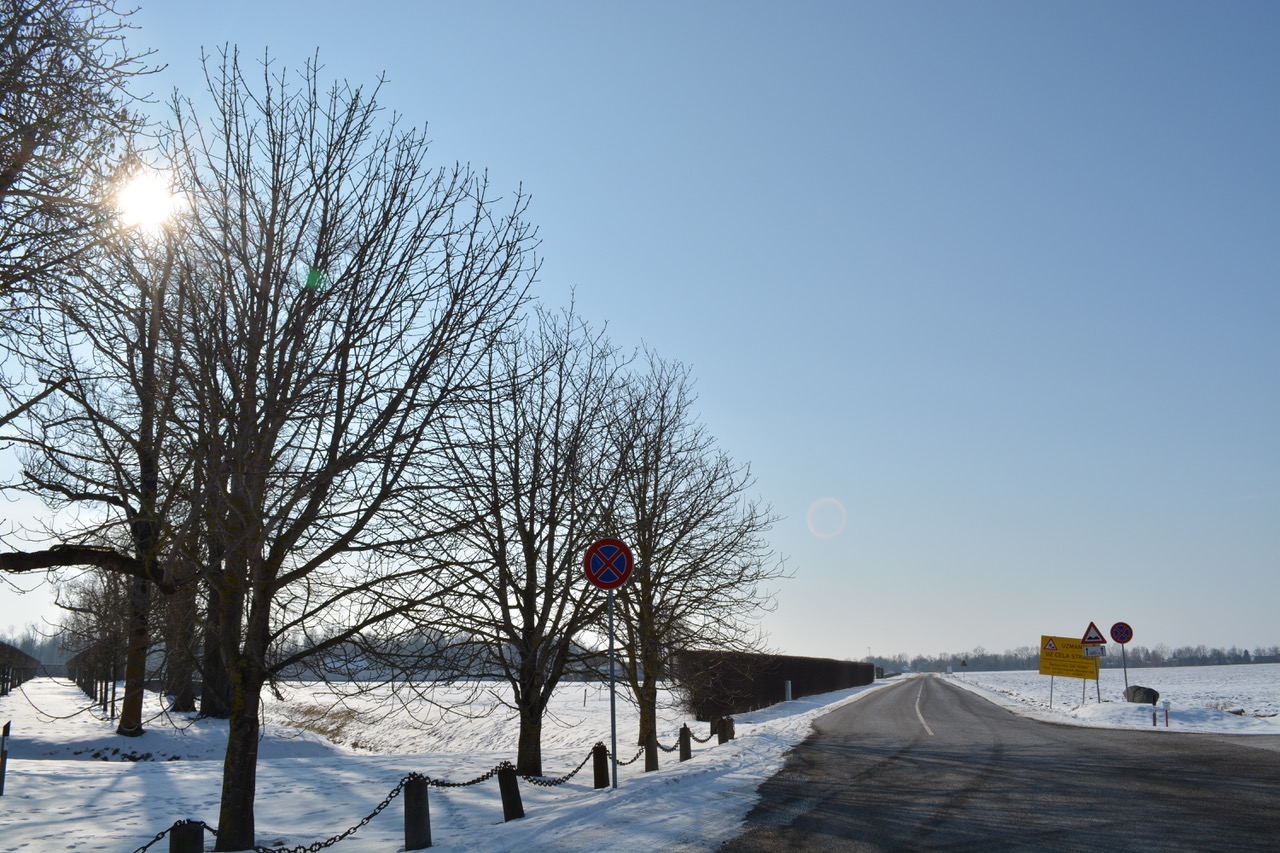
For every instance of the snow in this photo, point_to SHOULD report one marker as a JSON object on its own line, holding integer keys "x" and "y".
{"x": 73, "y": 785}
{"x": 1210, "y": 699}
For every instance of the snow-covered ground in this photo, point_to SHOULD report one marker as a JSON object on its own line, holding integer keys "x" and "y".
{"x": 73, "y": 785}
{"x": 1231, "y": 699}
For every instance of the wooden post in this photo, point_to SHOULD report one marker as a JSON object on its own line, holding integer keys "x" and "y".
{"x": 651, "y": 751}
{"x": 600, "y": 760}
{"x": 186, "y": 837}
{"x": 725, "y": 733}
{"x": 686, "y": 743}
{"x": 509, "y": 787}
{"x": 4, "y": 753}
{"x": 417, "y": 814}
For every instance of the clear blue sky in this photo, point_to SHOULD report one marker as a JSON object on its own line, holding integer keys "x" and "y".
{"x": 1000, "y": 277}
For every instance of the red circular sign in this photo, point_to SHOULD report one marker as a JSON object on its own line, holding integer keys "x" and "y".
{"x": 608, "y": 563}
{"x": 1121, "y": 632}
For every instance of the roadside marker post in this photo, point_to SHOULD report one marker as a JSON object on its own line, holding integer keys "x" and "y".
{"x": 4, "y": 753}
{"x": 608, "y": 565}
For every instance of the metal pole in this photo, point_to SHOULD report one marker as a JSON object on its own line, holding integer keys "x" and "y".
{"x": 1124, "y": 659}
{"x": 613, "y": 705}
{"x": 1097, "y": 677}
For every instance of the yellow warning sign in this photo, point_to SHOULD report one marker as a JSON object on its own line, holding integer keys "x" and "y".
{"x": 1065, "y": 657}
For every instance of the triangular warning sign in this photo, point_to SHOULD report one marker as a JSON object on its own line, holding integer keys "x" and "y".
{"x": 1093, "y": 637}
{"x": 1051, "y": 646}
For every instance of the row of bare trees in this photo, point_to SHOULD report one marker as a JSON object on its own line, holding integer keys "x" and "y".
{"x": 314, "y": 421}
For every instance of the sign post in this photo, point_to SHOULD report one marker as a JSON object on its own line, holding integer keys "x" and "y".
{"x": 1093, "y": 637}
{"x": 608, "y": 564}
{"x": 1122, "y": 633}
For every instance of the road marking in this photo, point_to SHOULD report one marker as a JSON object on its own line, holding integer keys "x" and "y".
{"x": 918, "y": 714}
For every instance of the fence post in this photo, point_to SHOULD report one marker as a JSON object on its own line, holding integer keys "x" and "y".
{"x": 686, "y": 743}
{"x": 186, "y": 836}
{"x": 651, "y": 751}
{"x": 4, "y": 753}
{"x": 509, "y": 787}
{"x": 725, "y": 732}
{"x": 600, "y": 761}
{"x": 417, "y": 813}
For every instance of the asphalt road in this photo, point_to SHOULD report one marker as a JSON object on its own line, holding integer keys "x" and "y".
{"x": 925, "y": 765}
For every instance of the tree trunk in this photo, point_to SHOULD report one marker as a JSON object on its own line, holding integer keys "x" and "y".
{"x": 647, "y": 699}
{"x": 240, "y": 768}
{"x": 215, "y": 690}
{"x": 135, "y": 664}
{"x": 529, "y": 751}
{"x": 181, "y": 640}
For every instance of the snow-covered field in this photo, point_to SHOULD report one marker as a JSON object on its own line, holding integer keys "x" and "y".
{"x": 1232, "y": 699}
{"x": 73, "y": 785}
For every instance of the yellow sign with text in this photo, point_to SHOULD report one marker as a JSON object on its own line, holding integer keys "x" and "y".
{"x": 1064, "y": 656}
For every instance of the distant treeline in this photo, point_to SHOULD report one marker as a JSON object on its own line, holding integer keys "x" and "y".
{"x": 1028, "y": 657}
{"x": 44, "y": 648}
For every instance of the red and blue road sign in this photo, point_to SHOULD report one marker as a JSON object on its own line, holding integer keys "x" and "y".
{"x": 1121, "y": 632}
{"x": 608, "y": 563}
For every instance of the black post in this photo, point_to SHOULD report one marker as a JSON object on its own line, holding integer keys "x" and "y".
{"x": 4, "y": 753}
{"x": 651, "y": 751}
{"x": 725, "y": 733}
{"x": 686, "y": 743}
{"x": 600, "y": 760}
{"x": 417, "y": 814}
{"x": 509, "y": 787}
{"x": 186, "y": 836}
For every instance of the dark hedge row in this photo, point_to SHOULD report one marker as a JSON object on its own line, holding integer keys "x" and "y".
{"x": 719, "y": 684}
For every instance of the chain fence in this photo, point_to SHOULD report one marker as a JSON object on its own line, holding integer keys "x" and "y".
{"x": 539, "y": 781}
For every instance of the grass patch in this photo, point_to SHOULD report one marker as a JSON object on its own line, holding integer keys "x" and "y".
{"x": 329, "y": 723}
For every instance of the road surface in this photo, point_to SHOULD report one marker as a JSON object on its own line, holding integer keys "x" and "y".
{"x": 926, "y": 765}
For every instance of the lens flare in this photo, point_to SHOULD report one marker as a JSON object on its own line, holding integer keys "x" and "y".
{"x": 827, "y": 518}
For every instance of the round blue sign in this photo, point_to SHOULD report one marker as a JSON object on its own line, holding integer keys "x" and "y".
{"x": 1121, "y": 632}
{"x": 608, "y": 563}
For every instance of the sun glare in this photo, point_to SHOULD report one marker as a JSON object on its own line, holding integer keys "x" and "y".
{"x": 146, "y": 201}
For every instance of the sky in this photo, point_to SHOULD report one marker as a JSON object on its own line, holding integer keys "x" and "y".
{"x": 986, "y": 294}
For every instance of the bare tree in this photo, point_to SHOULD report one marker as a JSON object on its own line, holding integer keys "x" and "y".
{"x": 529, "y": 478}
{"x": 702, "y": 562}
{"x": 94, "y": 631}
{"x": 64, "y": 102}
{"x": 347, "y": 297}
{"x": 103, "y": 442}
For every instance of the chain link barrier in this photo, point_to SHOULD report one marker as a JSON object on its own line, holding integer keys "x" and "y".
{"x": 669, "y": 748}
{"x": 320, "y": 845}
{"x": 440, "y": 783}
{"x": 161, "y": 835}
{"x": 697, "y": 739}
{"x": 540, "y": 781}
{"x": 633, "y": 760}
{"x": 544, "y": 782}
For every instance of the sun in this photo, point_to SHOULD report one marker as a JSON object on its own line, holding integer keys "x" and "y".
{"x": 146, "y": 201}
